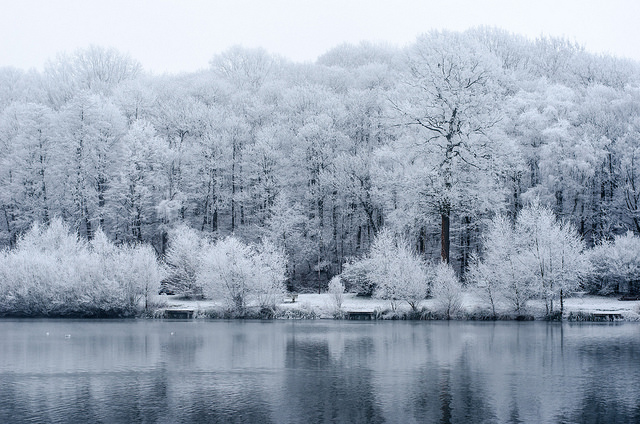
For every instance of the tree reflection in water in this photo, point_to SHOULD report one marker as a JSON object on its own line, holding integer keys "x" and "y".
{"x": 317, "y": 372}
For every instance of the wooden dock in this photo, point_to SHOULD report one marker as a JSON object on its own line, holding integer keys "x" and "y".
{"x": 607, "y": 315}
{"x": 360, "y": 315}
{"x": 179, "y": 313}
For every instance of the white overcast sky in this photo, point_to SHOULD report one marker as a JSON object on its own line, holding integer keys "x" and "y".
{"x": 183, "y": 35}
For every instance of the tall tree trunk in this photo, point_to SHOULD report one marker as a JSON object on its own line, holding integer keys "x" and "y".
{"x": 87, "y": 223}
{"x": 444, "y": 238}
{"x": 233, "y": 186}
{"x": 164, "y": 241}
{"x": 44, "y": 188}
{"x": 422, "y": 243}
{"x": 465, "y": 245}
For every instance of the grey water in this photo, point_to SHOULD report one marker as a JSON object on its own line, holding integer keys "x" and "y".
{"x": 65, "y": 371}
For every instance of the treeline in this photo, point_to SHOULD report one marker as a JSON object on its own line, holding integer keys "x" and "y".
{"x": 431, "y": 142}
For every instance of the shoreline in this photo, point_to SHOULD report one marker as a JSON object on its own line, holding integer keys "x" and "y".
{"x": 313, "y": 306}
{"x": 585, "y": 308}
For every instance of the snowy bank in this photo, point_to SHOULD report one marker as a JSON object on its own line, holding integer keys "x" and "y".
{"x": 312, "y": 305}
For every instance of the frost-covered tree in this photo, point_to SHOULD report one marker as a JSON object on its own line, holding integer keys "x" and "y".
{"x": 94, "y": 68}
{"x": 628, "y": 195}
{"x": 139, "y": 187}
{"x": 336, "y": 290}
{"x": 207, "y": 169}
{"x": 182, "y": 258}
{"x": 52, "y": 272}
{"x": 239, "y": 275}
{"x": 616, "y": 265}
{"x": 29, "y": 179}
{"x": 552, "y": 254}
{"x": 286, "y": 228}
{"x": 20, "y": 86}
{"x": 397, "y": 273}
{"x": 537, "y": 257}
{"x": 246, "y": 69}
{"x": 91, "y": 131}
{"x": 499, "y": 272}
{"x": 451, "y": 96}
{"x": 446, "y": 289}
{"x": 261, "y": 163}
{"x": 270, "y": 266}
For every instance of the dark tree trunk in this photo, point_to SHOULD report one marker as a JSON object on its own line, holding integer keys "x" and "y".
{"x": 87, "y": 223}
{"x": 164, "y": 240}
{"x": 444, "y": 238}
{"x": 422, "y": 241}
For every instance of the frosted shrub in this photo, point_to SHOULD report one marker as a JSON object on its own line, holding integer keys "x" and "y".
{"x": 139, "y": 275}
{"x": 56, "y": 239}
{"x": 603, "y": 280}
{"x": 52, "y": 273}
{"x": 356, "y": 275}
{"x": 551, "y": 253}
{"x": 40, "y": 276}
{"x": 122, "y": 278}
{"x": 270, "y": 269}
{"x": 237, "y": 274}
{"x": 30, "y": 283}
{"x": 537, "y": 257}
{"x": 397, "y": 272}
{"x": 446, "y": 290}
{"x": 500, "y": 273}
{"x": 182, "y": 259}
{"x": 616, "y": 265}
{"x": 336, "y": 290}
{"x": 226, "y": 273}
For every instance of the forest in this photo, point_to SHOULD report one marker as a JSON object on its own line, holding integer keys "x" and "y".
{"x": 440, "y": 144}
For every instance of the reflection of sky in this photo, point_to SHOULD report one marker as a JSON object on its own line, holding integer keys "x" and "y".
{"x": 124, "y": 371}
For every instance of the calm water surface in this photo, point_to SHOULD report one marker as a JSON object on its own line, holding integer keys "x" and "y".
{"x": 318, "y": 372}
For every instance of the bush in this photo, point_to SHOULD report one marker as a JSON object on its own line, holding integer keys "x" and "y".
{"x": 616, "y": 266}
{"x": 336, "y": 289}
{"x": 238, "y": 274}
{"x": 500, "y": 273}
{"x": 392, "y": 271}
{"x": 138, "y": 273}
{"x": 270, "y": 269}
{"x": 538, "y": 257}
{"x": 53, "y": 273}
{"x": 182, "y": 259}
{"x": 355, "y": 274}
{"x": 446, "y": 290}
{"x": 397, "y": 272}
{"x": 304, "y": 312}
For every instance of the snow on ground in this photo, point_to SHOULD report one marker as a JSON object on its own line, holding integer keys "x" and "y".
{"x": 471, "y": 301}
{"x": 600, "y": 304}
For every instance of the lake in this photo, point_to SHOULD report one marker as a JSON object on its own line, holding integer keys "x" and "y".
{"x": 128, "y": 371}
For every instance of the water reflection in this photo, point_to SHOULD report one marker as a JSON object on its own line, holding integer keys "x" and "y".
{"x": 317, "y": 372}
{"x": 329, "y": 388}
